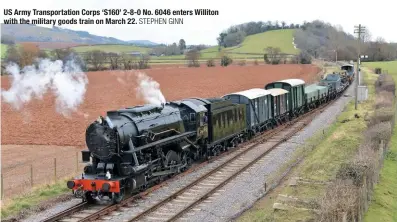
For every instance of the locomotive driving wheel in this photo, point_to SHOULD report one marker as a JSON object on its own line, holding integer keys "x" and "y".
{"x": 172, "y": 159}
{"x": 186, "y": 160}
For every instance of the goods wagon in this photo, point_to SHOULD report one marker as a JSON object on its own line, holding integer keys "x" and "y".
{"x": 296, "y": 95}
{"x": 280, "y": 104}
{"x": 258, "y": 110}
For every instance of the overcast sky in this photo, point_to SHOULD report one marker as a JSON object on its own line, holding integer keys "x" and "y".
{"x": 375, "y": 15}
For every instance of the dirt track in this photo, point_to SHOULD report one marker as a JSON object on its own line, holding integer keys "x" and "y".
{"x": 40, "y": 124}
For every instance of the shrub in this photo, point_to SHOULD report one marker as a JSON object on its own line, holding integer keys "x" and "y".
{"x": 384, "y": 99}
{"x": 226, "y": 60}
{"x": 382, "y": 115}
{"x": 339, "y": 197}
{"x": 294, "y": 60}
{"x": 352, "y": 171}
{"x": 379, "y": 131}
{"x": 266, "y": 59}
{"x": 256, "y": 62}
{"x": 193, "y": 63}
{"x": 276, "y": 61}
{"x": 386, "y": 83}
{"x": 304, "y": 58}
{"x": 242, "y": 63}
{"x": 210, "y": 63}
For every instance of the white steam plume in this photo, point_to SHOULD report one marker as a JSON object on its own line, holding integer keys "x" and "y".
{"x": 149, "y": 90}
{"x": 67, "y": 82}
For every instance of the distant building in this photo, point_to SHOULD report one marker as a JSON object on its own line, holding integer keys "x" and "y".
{"x": 134, "y": 53}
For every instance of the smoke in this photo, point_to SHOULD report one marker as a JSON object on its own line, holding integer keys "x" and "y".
{"x": 66, "y": 81}
{"x": 149, "y": 90}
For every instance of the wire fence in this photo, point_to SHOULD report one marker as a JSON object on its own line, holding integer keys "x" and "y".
{"x": 22, "y": 178}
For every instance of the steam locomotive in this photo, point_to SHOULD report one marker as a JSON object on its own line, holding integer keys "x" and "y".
{"x": 134, "y": 148}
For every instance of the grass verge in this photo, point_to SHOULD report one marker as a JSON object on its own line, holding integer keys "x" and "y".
{"x": 18, "y": 206}
{"x": 383, "y": 206}
{"x": 323, "y": 154}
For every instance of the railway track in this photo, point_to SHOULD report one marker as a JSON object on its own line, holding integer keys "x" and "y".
{"x": 179, "y": 203}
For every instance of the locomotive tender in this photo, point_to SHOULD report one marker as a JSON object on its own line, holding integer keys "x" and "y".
{"x": 134, "y": 148}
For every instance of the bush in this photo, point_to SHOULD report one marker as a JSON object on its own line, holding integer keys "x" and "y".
{"x": 242, "y": 63}
{"x": 294, "y": 60}
{"x": 210, "y": 63}
{"x": 226, "y": 60}
{"x": 256, "y": 62}
{"x": 276, "y": 61}
{"x": 266, "y": 59}
{"x": 384, "y": 99}
{"x": 193, "y": 63}
{"x": 379, "y": 131}
{"x": 386, "y": 83}
{"x": 382, "y": 115}
{"x": 339, "y": 197}
{"x": 193, "y": 57}
{"x": 304, "y": 58}
{"x": 352, "y": 171}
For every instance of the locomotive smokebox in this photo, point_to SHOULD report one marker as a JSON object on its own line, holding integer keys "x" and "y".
{"x": 101, "y": 140}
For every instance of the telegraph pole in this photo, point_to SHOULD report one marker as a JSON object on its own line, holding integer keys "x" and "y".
{"x": 360, "y": 30}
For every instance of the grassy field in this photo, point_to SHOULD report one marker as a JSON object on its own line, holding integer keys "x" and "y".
{"x": 323, "y": 156}
{"x": 251, "y": 48}
{"x": 384, "y": 204}
{"x": 277, "y": 38}
{"x": 3, "y": 50}
{"x": 33, "y": 199}
{"x": 111, "y": 48}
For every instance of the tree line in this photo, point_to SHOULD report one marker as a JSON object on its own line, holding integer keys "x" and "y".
{"x": 323, "y": 40}
{"x": 28, "y": 54}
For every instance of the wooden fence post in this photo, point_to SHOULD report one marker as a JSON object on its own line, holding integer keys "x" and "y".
{"x": 31, "y": 175}
{"x": 2, "y": 188}
{"x": 77, "y": 161}
{"x": 55, "y": 169}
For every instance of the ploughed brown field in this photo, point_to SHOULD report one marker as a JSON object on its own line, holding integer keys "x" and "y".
{"x": 40, "y": 124}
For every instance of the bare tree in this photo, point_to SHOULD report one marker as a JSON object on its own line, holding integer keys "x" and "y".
{"x": 272, "y": 55}
{"x": 12, "y": 55}
{"x": 366, "y": 36}
{"x": 192, "y": 56}
{"x": 28, "y": 53}
{"x": 114, "y": 60}
{"x": 62, "y": 54}
{"x": 127, "y": 61}
{"x": 96, "y": 58}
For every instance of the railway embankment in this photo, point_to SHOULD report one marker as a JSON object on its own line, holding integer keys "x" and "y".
{"x": 337, "y": 168}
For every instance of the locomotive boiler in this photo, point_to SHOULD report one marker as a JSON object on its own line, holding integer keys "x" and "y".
{"x": 133, "y": 147}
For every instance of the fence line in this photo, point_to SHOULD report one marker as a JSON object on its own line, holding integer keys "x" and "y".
{"x": 23, "y": 178}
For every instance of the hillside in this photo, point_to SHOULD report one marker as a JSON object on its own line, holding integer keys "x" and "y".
{"x": 3, "y": 50}
{"x": 32, "y": 33}
{"x": 143, "y": 42}
{"x": 254, "y": 45}
{"x": 275, "y": 38}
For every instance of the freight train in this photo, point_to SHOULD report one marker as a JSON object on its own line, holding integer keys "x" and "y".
{"x": 134, "y": 148}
